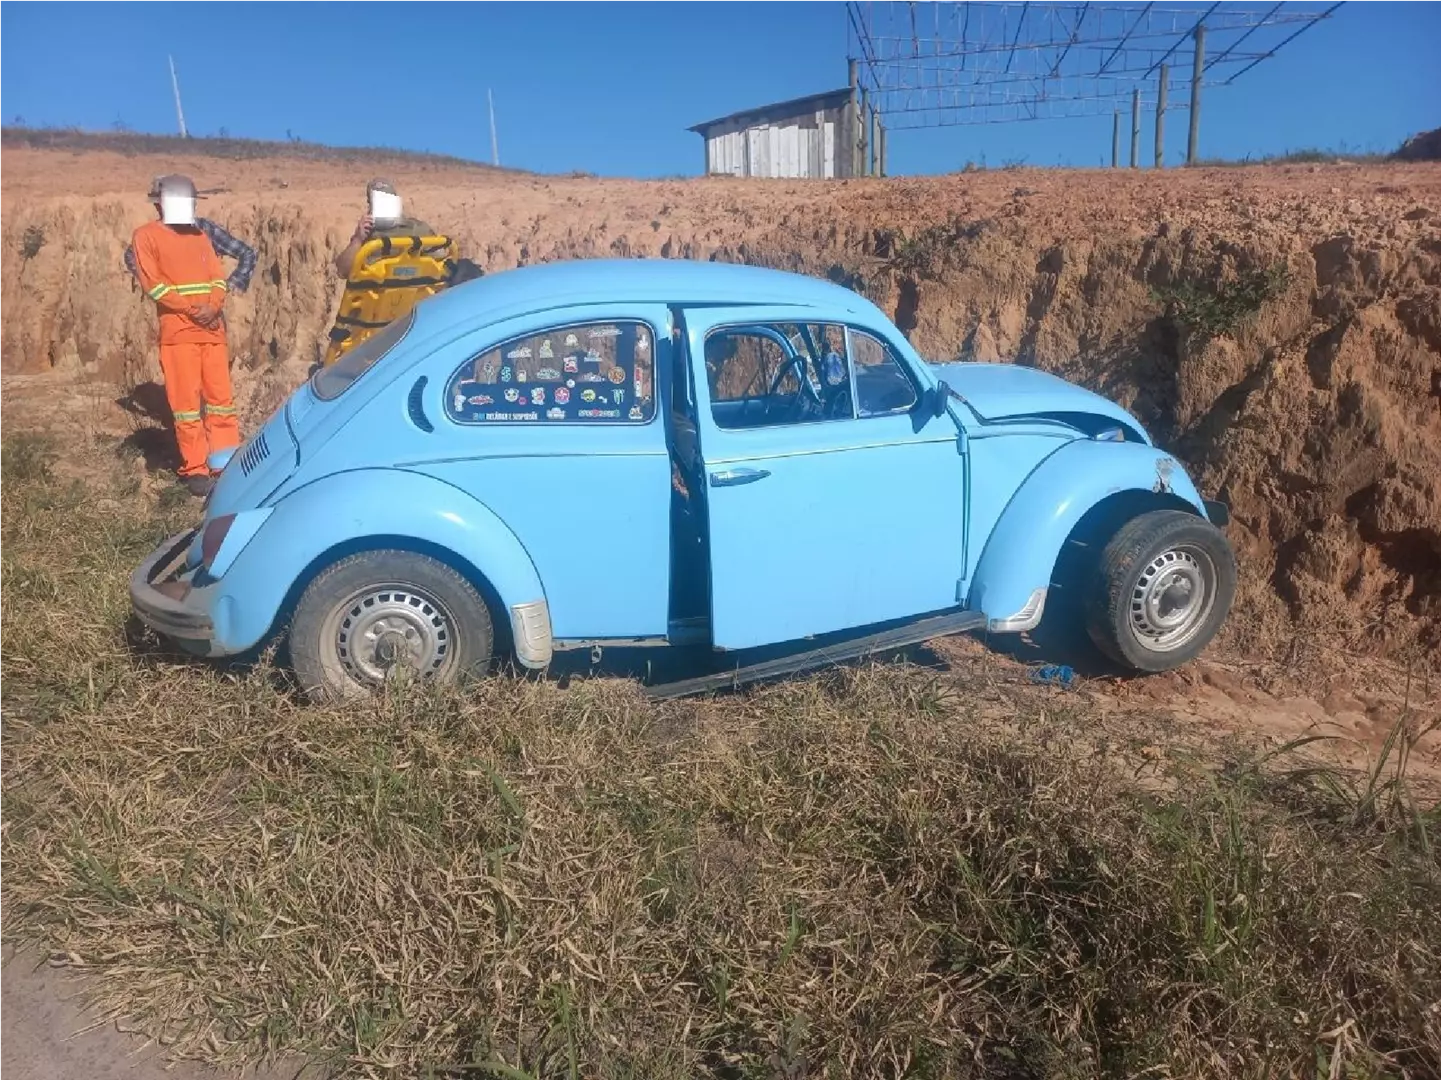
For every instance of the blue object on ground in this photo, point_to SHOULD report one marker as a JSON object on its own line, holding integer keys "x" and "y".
{"x": 1054, "y": 675}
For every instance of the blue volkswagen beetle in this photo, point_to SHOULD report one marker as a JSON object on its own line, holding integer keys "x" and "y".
{"x": 750, "y": 463}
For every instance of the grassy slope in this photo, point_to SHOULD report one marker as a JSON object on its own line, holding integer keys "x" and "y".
{"x": 135, "y": 143}
{"x": 853, "y": 875}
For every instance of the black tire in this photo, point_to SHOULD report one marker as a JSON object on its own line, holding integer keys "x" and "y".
{"x": 1154, "y": 561}
{"x": 377, "y": 609}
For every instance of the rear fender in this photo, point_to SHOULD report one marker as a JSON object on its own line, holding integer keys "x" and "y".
{"x": 1020, "y": 555}
{"x": 340, "y": 514}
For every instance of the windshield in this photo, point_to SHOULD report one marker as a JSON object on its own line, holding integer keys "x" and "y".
{"x": 330, "y": 382}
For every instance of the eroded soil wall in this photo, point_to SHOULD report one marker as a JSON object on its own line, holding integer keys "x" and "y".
{"x": 1278, "y": 328}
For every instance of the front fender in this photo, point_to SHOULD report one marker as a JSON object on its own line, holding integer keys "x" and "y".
{"x": 1020, "y": 555}
{"x": 346, "y": 512}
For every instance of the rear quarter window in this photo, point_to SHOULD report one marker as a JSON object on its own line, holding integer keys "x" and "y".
{"x": 588, "y": 373}
{"x": 330, "y": 382}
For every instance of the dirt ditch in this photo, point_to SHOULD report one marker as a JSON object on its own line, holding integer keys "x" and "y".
{"x": 1279, "y": 328}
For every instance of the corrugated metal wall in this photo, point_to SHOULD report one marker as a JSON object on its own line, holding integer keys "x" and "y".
{"x": 801, "y": 147}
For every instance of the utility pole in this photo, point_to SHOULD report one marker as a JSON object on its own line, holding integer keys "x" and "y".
{"x": 1116, "y": 139}
{"x": 873, "y": 146}
{"x": 494, "y": 148}
{"x": 1136, "y": 128}
{"x": 1161, "y": 118}
{"x": 179, "y": 112}
{"x": 850, "y": 122}
{"x": 1193, "y": 140}
{"x": 881, "y": 148}
{"x": 862, "y": 140}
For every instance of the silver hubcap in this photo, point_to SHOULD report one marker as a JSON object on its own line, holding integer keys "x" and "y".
{"x": 1171, "y": 599}
{"x": 386, "y": 627}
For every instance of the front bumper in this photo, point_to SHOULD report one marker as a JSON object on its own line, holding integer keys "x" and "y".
{"x": 169, "y": 604}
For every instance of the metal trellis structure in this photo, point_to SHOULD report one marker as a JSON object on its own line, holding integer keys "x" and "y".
{"x": 937, "y": 64}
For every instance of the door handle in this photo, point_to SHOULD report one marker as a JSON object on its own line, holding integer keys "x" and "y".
{"x": 735, "y": 477}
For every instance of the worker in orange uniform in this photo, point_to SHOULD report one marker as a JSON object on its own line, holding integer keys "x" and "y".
{"x": 179, "y": 269}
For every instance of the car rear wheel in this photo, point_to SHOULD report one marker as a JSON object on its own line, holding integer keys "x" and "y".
{"x": 371, "y": 615}
{"x": 1165, "y": 585}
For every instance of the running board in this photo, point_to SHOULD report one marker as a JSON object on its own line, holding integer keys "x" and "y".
{"x": 895, "y": 638}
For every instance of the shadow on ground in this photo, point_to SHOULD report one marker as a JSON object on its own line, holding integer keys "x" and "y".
{"x": 656, "y": 666}
{"x": 153, "y": 441}
{"x": 649, "y": 666}
{"x": 1056, "y": 642}
{"x": 147, "y": 401}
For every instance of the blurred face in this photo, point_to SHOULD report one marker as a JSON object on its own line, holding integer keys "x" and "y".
{"x": 384, "y": 206}
{"x": 176, "y": 209}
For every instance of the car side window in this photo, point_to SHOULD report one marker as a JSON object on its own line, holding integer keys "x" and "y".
{"x": 882, "y": 386}
{"x": 587, "y": 373}
{"x": 743, "y": 363}
{"x": 774, "y": 374}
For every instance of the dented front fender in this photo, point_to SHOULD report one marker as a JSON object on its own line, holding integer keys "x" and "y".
{"x": 1019, "y": 557}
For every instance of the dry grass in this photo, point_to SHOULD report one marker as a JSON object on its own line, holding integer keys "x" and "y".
{"x": 852, "y": 875}
{"x": 224, "y": 146}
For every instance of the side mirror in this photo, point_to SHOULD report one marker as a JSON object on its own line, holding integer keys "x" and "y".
{"x": 938, "y": 399}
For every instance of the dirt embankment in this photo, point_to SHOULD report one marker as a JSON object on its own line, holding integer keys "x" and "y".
{"x": 1278, "y": 327}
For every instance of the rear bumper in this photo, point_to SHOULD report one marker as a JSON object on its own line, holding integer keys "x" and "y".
{"x": 170, "y": 605}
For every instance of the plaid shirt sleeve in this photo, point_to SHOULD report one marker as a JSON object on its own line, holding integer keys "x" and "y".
{"x": 227, "y": 245}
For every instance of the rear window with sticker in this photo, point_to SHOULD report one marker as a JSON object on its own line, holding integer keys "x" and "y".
{"x": 592, "y": 373}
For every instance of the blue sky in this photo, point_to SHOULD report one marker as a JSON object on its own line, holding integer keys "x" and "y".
{"x": 611, "y": 88}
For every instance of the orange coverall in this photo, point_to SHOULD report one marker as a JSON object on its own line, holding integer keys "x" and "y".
{"x": 179, "y": 270}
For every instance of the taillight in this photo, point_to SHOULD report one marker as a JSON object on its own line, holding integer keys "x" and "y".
{"x": 213, "y": 536}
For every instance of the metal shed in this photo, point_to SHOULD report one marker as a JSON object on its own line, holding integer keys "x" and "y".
{"x": 805, "y": 138}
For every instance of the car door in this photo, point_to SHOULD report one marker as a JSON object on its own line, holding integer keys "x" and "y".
{"x": 834, "y": 499}
{"x": 550, "y": 420}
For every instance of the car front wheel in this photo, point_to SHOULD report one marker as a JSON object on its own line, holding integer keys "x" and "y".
{"x": 1166, "y": 583}
{"x": 374, "y": 613}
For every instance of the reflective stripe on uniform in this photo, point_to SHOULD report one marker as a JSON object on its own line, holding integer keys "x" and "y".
{"x": 220, "y": 410}
{"x": 188, "y": 288}
{"x": 185, "y": 417}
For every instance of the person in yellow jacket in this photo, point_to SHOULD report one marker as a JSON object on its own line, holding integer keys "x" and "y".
{"x": 179, "y": 270}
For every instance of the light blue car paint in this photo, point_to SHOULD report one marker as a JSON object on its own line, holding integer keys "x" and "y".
{"x": 335, "y": 511}
{"x": 1008, "y": 391}
{"x": 257, "y": 467}
{"x": 998, "y": 466}
{"x": 605, "y": 553}
{"x": 1020, "y": 554}
{"x": 220, "y": 458}
{"x": 813, "y": 527}
{"x": 562, "y": 489}
{"x": 856, "y": 521}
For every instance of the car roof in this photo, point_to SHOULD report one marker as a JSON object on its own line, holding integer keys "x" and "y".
{"x": 667, "y": 281}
